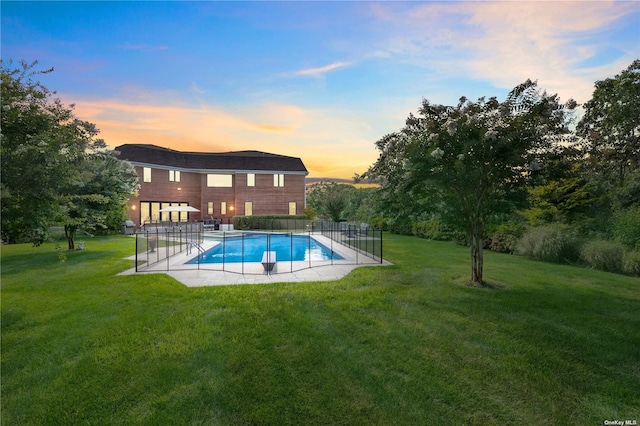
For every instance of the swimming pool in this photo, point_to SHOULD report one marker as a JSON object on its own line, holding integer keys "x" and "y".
{"x": 250, "y": 247}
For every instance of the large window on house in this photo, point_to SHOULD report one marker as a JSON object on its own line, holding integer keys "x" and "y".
{"x": 278, "y": 180}
{"x": 145, "y": 213}
{"x": 219, "y": 180}
{"x": 174, "y": 175}
{"x": 251, "y": 179}
{"x": 248, "y": 208}
{"x": 150, "y": 212}
{"x": 146, "y": 174}
{"x": 292, "y": 208}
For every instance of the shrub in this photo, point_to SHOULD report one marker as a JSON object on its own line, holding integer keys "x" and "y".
{"x": 309, "y": 213}
{"x": 379, "y": 222}
{"x": 551, "y": 243}
{"x": 433, "y": 229}
{"x": 114, "y": 219}
{"x": 264, "y": 222}
{"x": 505, "y": 237}
{"x": 626, "y": 228}
{"x": 241, "y": 222}
{"x": 631, "y": 263}
{"x": 421, "y": 229}
{"x": 401, "y": 226}
{"x": 603, "y": 254}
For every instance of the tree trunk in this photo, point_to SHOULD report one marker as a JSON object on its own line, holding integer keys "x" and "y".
{"x": 477, "y": 259}
{"x": 69, "y": 232}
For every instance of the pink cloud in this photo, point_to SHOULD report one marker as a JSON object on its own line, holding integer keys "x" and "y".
{"x": 319, "y": 70}
{"x": 330, "y": 142}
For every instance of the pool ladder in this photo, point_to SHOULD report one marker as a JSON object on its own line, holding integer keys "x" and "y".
{"x": 196, "y": 245}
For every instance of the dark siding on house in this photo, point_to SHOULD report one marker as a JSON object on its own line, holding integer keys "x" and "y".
{"x": 193, "y": 189}
{"x": 239, "y": 160}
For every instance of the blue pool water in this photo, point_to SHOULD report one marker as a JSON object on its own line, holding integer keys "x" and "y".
{"x": 287, "y": 248}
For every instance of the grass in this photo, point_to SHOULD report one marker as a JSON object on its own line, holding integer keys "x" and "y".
{"x": 407, "y": 344}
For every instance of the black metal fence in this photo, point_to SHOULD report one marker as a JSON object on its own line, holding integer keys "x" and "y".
{"x": 294, "y": 246}
{"x": 362, "y": 237}
{"x": 273, "y": 224}
{"x": 159, "y": 242}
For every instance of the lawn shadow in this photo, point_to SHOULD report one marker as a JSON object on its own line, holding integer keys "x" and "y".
{"x": 484, "y": 284}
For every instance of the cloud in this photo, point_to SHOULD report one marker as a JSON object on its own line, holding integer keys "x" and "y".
{"x": 331, "y": 142}
{"x": 542, "y": 40}
{"x": 273, "y": 128}
{"x": 196, "y": 89}
{"x": 203, "y": 122}
{"x": 564, "y": 45}
{"x": 319, "y": 71}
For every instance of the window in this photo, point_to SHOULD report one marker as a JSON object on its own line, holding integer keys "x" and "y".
{"x": 219, "y": 181}
{"x": 292, "y": 208}
{"x": 210, "y": 207}
{"x": 150, "y": 212}
{"x": 251, "y": 179}
{"x": 145, "y": 213}
{"x": 174, "y": 175}
{"x": 278, "y": 180}
{"x": 165, "y": 215}
{"x": 146, "y": 174}
{"x": 248, "y": 208}
{"x": 223, "y": 207}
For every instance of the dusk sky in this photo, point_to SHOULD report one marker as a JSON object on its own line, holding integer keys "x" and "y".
{"x": 318, "y": 80}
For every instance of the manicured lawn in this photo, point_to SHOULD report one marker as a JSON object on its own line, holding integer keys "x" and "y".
{"x": 402, "y": 345}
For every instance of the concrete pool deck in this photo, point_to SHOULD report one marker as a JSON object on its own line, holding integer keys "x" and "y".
{"x": 253, "y": 273}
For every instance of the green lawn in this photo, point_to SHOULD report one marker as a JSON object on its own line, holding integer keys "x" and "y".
{"x": 408, "y": 344}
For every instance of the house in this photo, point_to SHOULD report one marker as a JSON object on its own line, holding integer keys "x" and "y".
{"x": 220, "y": 185}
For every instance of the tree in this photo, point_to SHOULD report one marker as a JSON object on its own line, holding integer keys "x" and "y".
{"x": 330, "y": 199}
{"x": 100, "y": 192}
{"x": 611, "y": 125}
{"x": 362, "y": 206}
{"x": 46, "y": 155}
{"x": 561, "y": 192}
{"x": 471, "y": 162}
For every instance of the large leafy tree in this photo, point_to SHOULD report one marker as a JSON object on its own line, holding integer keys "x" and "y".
{"x": 562, "y": 193}
{"x": 330, "y": 199}
{"x": 100, "y": 191}
{"x": 54, "y": 167}
{"x": 470, "y": 162}
{"x": 610, "y": 131}
{"x": 611, "y": 125}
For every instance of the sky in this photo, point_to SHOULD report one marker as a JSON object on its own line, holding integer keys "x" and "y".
{"x": 322, "y": 81}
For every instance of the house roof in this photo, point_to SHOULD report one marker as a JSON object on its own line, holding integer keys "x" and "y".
{"x": 232, "y": 161}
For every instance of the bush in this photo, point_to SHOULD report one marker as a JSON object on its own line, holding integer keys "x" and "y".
{"x": 421, "y": 229}
{"x": 626, "y": 228}
{"x": 114, "y": 219}
{"x": 379, "y": 222}
{"x": 241, "y": 222}
{"x": 270, "y": 222}
{"x": 505, "y": 237}
{"x": 631, "y": 263}
{"x": 551, "y": 243}
{"x": 309, "y": 213}
{"x": 401, "y": 226}
{"x": 433, "y": 229}
{"x": 603, "y": 254}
